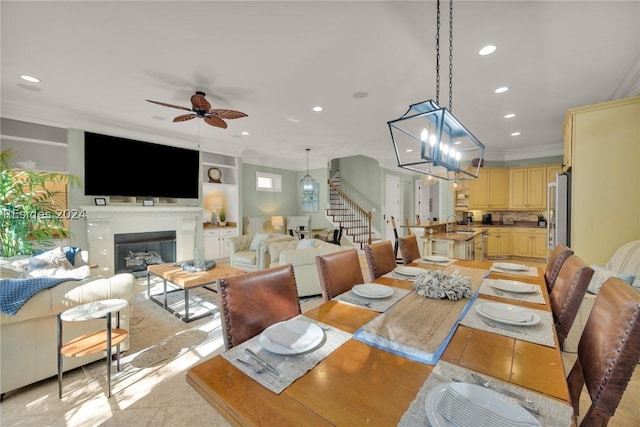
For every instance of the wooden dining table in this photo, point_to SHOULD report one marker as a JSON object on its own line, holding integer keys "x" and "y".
{"x": 360, "y": 384}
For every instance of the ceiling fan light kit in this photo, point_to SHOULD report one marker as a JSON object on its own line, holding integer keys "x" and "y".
{"x": 429, "y": 139}
{"x": 201, "y": 108}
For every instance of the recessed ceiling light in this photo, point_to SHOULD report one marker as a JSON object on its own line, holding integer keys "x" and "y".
{"x": 317, "y": 108}
{"x": 515, "y": 133}
{"x": 501, "y": 89}
{"x": 487, "y": 50}
{"x": 360, "y": 95}
{"x": 294, "y": 120}
{"x": 30, "y": 78}
{"x": 509, "y": 116}
{"x": 245, "y": 133}
{"x": 409, "y": 150}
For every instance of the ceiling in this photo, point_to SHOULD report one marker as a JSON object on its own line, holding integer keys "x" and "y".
{"x": 364, "y": 62}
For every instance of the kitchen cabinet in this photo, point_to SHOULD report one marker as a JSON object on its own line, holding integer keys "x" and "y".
{"x": 489, "y": 190}
{"x": 528, "y": 187}
{"x": 552, "y": 171}
{"x": 530, "y": 242}
{"x": 441, "y": 247}
{"x": 499, "y": 242}
{"x": 215, "y": 245}
{"x": 602, "y": 151}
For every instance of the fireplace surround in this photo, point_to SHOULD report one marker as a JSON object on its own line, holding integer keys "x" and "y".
{"x": 104, "y": 222}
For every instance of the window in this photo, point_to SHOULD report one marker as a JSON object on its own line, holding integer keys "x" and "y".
{"x": 268, "y": 182}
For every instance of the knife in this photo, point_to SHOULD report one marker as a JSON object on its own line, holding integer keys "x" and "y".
{"x": 262, "y": 361}
{"x": 488, "y": 385}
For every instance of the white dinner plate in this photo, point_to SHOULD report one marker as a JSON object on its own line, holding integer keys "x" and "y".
{"x": 291, "y": 337}
{"x": 409, "y": 271}
{"x": 490, "y": 399}
{"x": 510, "y": 266}
{"x": 372, "y": 290}
{"x": 508, "y": 314}
{"x": 436, "y": 258}
{"x": 513, "y": 286}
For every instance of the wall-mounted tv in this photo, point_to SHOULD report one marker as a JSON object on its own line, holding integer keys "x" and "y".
{"x": 116, "y": 166}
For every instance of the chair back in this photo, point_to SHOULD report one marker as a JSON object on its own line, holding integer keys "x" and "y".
{"x": 558, "y": 256}
{"x": 251, "y": 302}
{"x": 608, "y": 351}
{"x": 339, "y": 272}
{"x": 380, "y": 258}
{"x": 567, "y": 294}
{"x": 337, "y": 236}
{"x": 409, "y": 250}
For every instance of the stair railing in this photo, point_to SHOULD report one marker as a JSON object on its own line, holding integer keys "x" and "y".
{"x": 358, "y": 212}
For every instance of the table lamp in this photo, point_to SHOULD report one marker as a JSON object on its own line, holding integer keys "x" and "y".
{"x": 277, "y": 222}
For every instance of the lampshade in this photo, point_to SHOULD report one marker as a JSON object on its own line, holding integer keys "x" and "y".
{"x": 429, "y": 139}
{"x": 277, "y": 222}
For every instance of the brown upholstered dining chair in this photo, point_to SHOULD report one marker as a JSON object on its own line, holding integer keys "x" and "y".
{"x": 409, "y": 250}
{"x": 251, "y": 302}
{"x": 380, "y": 258}
{"x": 567, "y": 294}
{"x": 608, "y": 351}
{"x": 339, "y": 272}
{"x": 558, "y": 256}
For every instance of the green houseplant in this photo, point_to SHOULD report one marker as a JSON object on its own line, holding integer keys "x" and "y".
{"x": 222, "y": 216}
{"x": 31, "y": 207}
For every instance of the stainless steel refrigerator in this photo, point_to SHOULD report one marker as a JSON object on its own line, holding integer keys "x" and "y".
{"x": 558, "y": 211}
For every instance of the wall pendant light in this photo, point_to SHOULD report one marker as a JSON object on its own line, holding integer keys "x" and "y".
{"x": 307, "y": 182}
{"x": 429, "y": 139}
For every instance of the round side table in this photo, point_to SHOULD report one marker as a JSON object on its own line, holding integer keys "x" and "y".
{"x": 94, "y": 342}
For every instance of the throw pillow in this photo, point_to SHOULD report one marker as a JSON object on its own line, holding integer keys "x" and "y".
{"x": 53, "y": 258}
{"x": 257, "y": 238}
{"x": 601, "y": 274}
{"x": 307, "y": 243}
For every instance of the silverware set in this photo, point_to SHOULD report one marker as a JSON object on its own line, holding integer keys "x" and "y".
{"x": 503, "y": 326}
{"x": 523, "y": 401}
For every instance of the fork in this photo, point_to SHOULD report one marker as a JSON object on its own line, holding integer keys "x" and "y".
{"x": 254, "y": 368}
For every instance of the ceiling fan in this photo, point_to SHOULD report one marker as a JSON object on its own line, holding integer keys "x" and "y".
{"x": 202, "y": 108}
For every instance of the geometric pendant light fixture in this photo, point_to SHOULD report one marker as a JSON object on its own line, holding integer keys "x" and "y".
{"x": 307, "y": 182}
{"x": 429, "y": 139}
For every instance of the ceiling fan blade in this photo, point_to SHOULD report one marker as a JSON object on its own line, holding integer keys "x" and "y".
{"x": 199, "y": 102}
{"x": 227, "y": 114}
{"x": 170, "y": 105}
{"x": 185, "y": 117}
{"x": 215, "y": 121}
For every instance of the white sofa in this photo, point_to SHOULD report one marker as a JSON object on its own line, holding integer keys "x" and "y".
{"x": 28, "y": 339}
{"x": 303, "y": 261}
{"x": 625, "y": 263}
{"x": 243, "y": 256}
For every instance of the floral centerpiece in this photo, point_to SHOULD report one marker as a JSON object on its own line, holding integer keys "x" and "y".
{"x": 438, "y": 284}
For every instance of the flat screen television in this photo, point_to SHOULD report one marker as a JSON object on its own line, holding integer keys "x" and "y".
{"x": 116, "y": 166}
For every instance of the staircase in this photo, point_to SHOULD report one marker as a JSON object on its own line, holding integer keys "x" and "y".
{"x": 345, "y": 212}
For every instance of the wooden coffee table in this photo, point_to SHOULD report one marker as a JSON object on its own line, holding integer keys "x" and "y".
{"x": 182, "y": 280}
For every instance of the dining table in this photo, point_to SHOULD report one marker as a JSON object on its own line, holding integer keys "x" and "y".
{"x": 367, "y": 378}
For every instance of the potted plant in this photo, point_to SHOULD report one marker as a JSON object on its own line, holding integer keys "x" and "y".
{"x": 30, "y": 212}
{"x": 222, "y": 217}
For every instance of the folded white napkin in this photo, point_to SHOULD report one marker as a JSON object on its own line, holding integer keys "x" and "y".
{"x": 463, "y": 412}
{"x": 371, "y": 289}
{"x": 507, "y": 312}
{"x": 293, "y": 334}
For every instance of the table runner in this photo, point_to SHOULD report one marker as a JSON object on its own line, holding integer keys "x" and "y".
{"x": 375, "y": 304}
{"x": 542, "y": 333}
{"x": 290, "y": 366}
{"x": 533, "y": 297}
{"x": 553, "y": 413}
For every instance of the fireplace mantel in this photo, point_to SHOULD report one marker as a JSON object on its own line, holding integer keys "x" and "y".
{"x": 103, "y": 222}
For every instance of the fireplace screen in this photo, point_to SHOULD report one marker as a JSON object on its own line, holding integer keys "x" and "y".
{"x": 135, "y": 251}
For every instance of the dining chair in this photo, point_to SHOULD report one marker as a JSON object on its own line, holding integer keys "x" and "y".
{"x": 339, "y": 272}
{"x": 409, "y": 250}
{"x": 380, "y": 258}
{"x": 567, "y": 294}
{"x": 335, "y": 236}
{"x": 558, "y": 256}
{"x": 608, "y": 352}
{"x": 395, "y": 242}
{"x": 251, "y": 302}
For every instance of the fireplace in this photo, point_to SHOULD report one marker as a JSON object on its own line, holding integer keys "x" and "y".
{"x": 133, "y": 252}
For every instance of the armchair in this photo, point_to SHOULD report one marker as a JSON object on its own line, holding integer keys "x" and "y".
{"x": 248, "y": 255}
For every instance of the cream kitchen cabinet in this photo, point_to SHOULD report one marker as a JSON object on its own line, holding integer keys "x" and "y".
{"x": 530, "y": 242}
{"x": 441, "y": 247}
{"x": 528, "y": 187}
{"x": 499, "y": 242}
{"x": 552, "y": 171}
{"x": 602, "y": 151}
{"x": 489, "y": 190}
{"x": 215, "y": 246}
